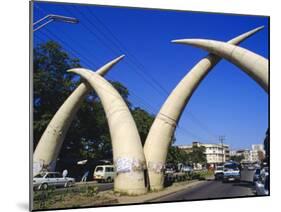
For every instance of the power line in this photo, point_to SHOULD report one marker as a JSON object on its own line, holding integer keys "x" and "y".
{"x": 141, "y": 101}
{"x": 117, "y": 49}
{"x": 194, "y": 119}
{"x": 134, "y": 61}
{"x": 88, "y": 62}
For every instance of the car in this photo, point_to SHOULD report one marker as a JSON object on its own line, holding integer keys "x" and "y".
{"x": 104, "y": 173}
{"x": 256, "y": 175}
{"x": 44, "y": 180}
{"x": 187, "y": 169}
{"x": 262, "y": 185}
{"x": 218, "y": 173}
{"x": 231, "y": 172}
{"x": 169, "y": 171}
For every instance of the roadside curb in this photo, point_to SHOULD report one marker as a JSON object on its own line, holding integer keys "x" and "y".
{"x": 191, "y": 184}
{"x": 156, "y": 195}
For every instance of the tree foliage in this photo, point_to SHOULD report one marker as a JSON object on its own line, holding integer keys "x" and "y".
{"x": 143, "y": 121}
{"x": 198, "y": 155}
{"x": 237, "y": 158}
{"x": 51, "y": 84}
{"x": 177, "y": 155}
{"x": 88, "y": 136}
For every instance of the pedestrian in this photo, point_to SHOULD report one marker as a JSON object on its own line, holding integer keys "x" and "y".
{"x": 64, "y": 173}
{"x": 85, "y": 176}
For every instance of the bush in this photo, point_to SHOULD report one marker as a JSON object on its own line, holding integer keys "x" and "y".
{"x": 91, "y": 191}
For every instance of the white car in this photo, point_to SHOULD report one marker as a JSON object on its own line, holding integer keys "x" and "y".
{"x": 47, "y": 179}
{"x": 187, "y": 169}
{"x": 231, "y": 172}
{"x": 218, "y": 172}
{"x": 104, "y": 173}
{"x": 262, "y": 184}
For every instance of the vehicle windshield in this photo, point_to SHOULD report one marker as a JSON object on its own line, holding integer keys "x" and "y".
{"x": 231, "y": 166}
{"x": 99, "y": 169}
{"x": 219, "y": 168}
{"x": 39, "y": 175}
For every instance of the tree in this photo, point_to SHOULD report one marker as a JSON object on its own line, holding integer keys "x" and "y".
{"x": 51, "y": 83}
{"x": 88, "y": 136}
{"x": 261, "y": 155}
{"x": 177, "y": 155}
{"x": 198, "y": 155}
{"x": 237, "y": 158}
{"x": 143, "y": 121}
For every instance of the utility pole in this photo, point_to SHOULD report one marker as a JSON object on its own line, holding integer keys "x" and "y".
{"x": 221, "y": 139}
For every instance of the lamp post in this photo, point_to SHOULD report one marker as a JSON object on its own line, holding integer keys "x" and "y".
{"x": 50, "y": 18}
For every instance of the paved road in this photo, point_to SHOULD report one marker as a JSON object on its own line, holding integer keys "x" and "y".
{"x": 101, "y": 186}
{"x": 210, "y": 190}
{"x": 104, "y": 186}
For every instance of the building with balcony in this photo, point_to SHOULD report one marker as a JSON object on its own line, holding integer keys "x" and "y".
{"x": 215, "y": 153}
{"x": 257, "y": 152}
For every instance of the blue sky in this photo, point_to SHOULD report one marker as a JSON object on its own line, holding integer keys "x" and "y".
{"x": 227, "y": 102}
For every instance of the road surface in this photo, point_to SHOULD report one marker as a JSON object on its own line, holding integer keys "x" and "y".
{"x": 211, "y": 190}
{"x": 104, "y": 186}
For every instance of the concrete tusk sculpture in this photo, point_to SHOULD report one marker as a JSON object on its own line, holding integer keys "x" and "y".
{"x": 49, "y": 145}
{"x": 128, "y": 154}
{"x": 253, "y": 64}
{"x": 163, "y": 127}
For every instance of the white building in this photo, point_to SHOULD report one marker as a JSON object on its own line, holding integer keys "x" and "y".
{"x": 246, "y": 153}
{"x": 215, "y": 153}
{"x": 249, "y": 155}
{"x": 256, "y": 150}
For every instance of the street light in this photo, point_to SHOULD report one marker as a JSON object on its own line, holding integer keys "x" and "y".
{"x": 51, "y": 18}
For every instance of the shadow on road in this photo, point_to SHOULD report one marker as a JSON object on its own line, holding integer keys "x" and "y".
{"x": 243, "y": 184}
{"x": 167, "y": 183}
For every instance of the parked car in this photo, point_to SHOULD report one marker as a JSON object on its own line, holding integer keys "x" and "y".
{"x": 218, "y": 173}
{"x": 256, "y": 175}
{"x": 170, "y": 171}
{"x": 262, "y": 184}
{"x": 187, "y": 169}
{"x": 231, "y": 172}
{"x": 104, "y": 173}
{"x": 46, "y": 179}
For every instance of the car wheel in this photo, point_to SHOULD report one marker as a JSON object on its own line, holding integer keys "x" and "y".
{"x": 43, "y": 186}
{"x": 68, "y": 184}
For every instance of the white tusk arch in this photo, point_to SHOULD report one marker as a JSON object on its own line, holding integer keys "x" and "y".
{"x": 253, "y": 64}
{"x": 128, "y": 154}
{"x": 49, "y": 145}
{"x": 163, "y": 127}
